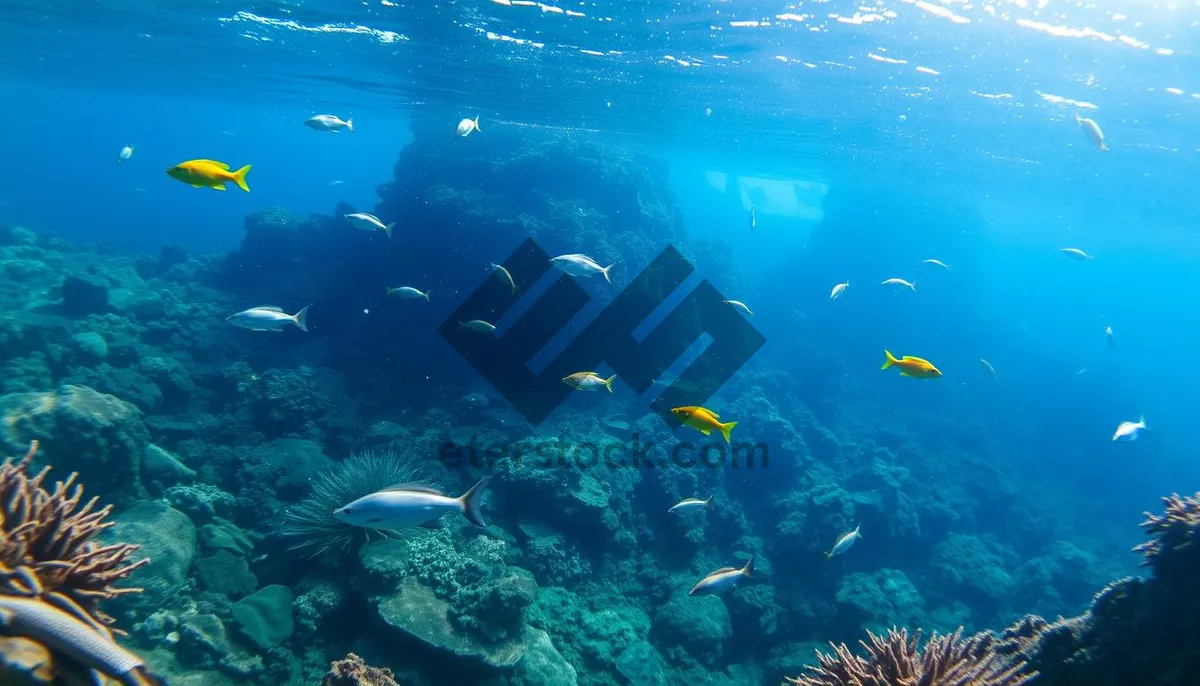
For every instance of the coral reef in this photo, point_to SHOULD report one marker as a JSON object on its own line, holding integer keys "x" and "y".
{"x": 896, "y": 658}
{"x": 352, "y": 671}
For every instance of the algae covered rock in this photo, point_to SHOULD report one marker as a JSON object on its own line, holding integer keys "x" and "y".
{"x": 641, "y": 664}
{"x": 881, "y": 599}
{"x": 264, "y": 618}
{"x": 226, "y": 574}
{"x": 543, "y": 664}
{"x": 84, "y": 295}
{"x": 160, "y": 465}
{"x": 418, "y": 613}
{"x": 90, "y": 346}
{"x": 168, "y": 538}
{"x": 700, "y": 625}
{"x": 100, "y": 436}
{"x": 204, "y": 643}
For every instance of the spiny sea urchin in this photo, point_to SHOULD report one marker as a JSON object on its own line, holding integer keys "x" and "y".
{"x": 311, "y": 522}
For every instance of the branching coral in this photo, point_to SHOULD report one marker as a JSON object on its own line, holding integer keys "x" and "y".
{"x": 46, "y": 543}
{"x": 311, "y": 521}
{"x": 1176, "y": 529}
{"x": 352, "y": 671}
{"x": 897, "y": 659}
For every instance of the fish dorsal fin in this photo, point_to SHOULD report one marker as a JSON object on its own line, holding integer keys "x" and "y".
{"x": 222, "y": 165}
{"x": 417, "y": 488}
{"x": 273, "y": 308}
{"x": 724, "y": 570}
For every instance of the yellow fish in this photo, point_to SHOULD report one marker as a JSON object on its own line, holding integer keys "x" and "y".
{"x": 912, "y": 366}
{"x": 209, "y": 174}
{"x": 703, "y": 420}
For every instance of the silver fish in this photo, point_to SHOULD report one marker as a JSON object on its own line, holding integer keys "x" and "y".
{"x": 407, "y": 292}
{"x": 936, "y": 263}
{"x": 844, "y": 542}
{"x": 126, "y": 153}
{"x": 369, "y": 222}
{"x": 1077, "y": 254}
{"x": 578, "y": 264}
{"x": 466, "y": 127}
{"x": 988, "y": 366}
{"x": 689, "y": 504}
{"x": 329, "y": 122}
{"x": 504, "y": 274}
{"x": 269, "y": 318}
{"x": 1108, "y": 333}
{"x": 405, "y": 506}
{"x": 721, "y": 579}
{"x": 478, "y": 325}
{"x": 1128, "y": 431}
{"x": 1091, "y": 131}
{"x": 900, "y": 282}
{"x": 839, "y": 289}
{"x": 738, "y": 305}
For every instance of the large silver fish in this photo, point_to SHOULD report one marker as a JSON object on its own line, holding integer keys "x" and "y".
{"x": 577, "y": 264}
{"x": 269, "y": 318}
{"x": 329, "y": 122}
{"x": 404, "y": 506}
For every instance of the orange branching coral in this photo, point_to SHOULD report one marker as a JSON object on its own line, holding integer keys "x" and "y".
{"x": 1177, "y": 528}
{"x": 46, "y": 543}
{"x": 896, "y": 659}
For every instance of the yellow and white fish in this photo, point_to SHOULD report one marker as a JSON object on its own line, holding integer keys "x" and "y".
{"x": 589, "y": 381}
{"x": 721, "y": 579}
{"x": 844, "y": 542}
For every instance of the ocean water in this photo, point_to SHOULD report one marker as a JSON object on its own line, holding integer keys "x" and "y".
{"x": 863, "y": 138}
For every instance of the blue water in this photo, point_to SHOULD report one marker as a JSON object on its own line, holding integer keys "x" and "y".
{"x": 925, "y": 129}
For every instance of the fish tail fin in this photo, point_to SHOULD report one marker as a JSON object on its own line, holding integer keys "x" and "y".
{"x": 726, "y": 428}
{"x": 239, "y": 177}
{"x": 913, "y": 286}
{"x": 1142, "y": 420}
{"x": 1078, "y": 119}
{"x": 708, "y": 501}
{"x": 605, "y": 272}
{"x": 301, "y": 318}
{"x": 477, "y": 122}
{"x": 891, "y": 360}
{"x": 1103, "y": 146}
{"x": 391, "y": 289}
{"x": 748, "y": 569}
{"x": 470, "y": 502}
{"x": 427, "y": 296}
{"x": 608, "y": 382}
{"x": 856, "y": 534}
{"x": 388, "y": 229}
{"x": 829, "y": 556}
{"x": 350, "y": 124}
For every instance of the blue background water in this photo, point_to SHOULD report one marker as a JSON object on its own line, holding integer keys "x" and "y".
{"x": 919, "y": 114}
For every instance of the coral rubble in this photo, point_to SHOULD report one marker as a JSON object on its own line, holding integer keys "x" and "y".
{"x": 352, "y": 671}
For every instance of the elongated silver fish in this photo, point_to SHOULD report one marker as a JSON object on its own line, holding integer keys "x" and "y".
{"x": 504, "y": 274}
{"x": 689, "y": 504}
{"x": 1077, "y": 254}
{"x": 369, "y": 222}
{"x": 404, "y": 506}
{"x": 721, "y": 579}
{"x": 269, "y": 318}
{"x": 478, "y": 325}
{"x": 68, "y": 635}
{"x": 900, "y": 282}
